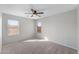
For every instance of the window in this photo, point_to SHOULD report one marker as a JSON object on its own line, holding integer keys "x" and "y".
{"x": 13, "y": 27}
{"x": 39, "y": 25}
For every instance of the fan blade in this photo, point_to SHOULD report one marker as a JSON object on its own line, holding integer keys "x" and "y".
{"x": 40, "y": 13}
{"x": 32, "y": 10}
{"x": 28, "y": 13}
{"x": 32, "y": 16}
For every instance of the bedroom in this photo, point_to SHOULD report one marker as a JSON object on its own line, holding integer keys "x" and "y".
{"x": 55, "y": 31}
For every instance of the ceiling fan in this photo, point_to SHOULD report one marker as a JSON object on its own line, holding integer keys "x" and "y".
{"x": 35, "y": 12}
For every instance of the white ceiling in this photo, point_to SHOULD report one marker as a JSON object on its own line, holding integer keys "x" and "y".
{"x": 48, "y": 9}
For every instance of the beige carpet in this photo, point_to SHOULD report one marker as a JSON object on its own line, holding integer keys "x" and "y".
{"x": 37, "y": 47}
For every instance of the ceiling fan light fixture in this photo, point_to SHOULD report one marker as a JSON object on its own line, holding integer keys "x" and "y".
{"x": 35, "y": 12}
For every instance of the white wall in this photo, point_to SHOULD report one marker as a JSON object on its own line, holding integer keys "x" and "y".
{"x": 0, "y": 32}
{"x": 26, "y": 28}
{"x": 78, "y": 28}
{"x": 61, "y": 28}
